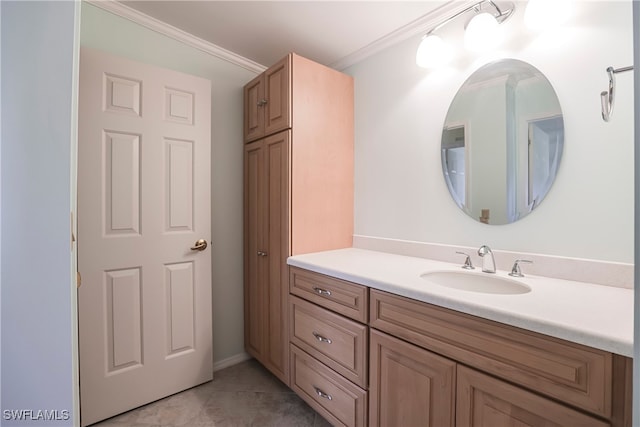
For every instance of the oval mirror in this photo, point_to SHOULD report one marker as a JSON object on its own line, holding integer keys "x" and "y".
{"x": 502, "y": 142}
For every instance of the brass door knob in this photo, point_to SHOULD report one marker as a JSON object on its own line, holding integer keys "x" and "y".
{"x": 200, "y": 245}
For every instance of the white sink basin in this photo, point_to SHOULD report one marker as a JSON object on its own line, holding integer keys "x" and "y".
{"x": 486, "y": 283}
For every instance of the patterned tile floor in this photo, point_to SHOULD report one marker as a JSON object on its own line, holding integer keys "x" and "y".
{"x": 243, "y": 395}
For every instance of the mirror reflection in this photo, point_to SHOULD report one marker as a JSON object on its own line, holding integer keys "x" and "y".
{"x": 502, "y": 142}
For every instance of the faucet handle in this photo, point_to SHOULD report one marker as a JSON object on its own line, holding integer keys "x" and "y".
{"x": 468, "y": 265}
{"x": 515, "y": 270}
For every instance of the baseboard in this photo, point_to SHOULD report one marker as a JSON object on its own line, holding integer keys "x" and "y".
{"x": 230, "y": 361}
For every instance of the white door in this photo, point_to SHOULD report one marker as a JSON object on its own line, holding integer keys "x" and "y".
{"x": 144, "y": 306}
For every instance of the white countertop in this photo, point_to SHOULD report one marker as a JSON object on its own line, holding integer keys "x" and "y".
{"x": 594, "y": 315}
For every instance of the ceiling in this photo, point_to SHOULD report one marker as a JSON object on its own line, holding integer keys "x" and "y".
{"x": 328, "y": 32}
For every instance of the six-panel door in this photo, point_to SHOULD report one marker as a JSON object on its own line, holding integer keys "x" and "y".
{"x": 144, "y": 307}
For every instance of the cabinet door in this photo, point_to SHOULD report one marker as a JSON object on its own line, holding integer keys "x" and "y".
{"x": 267, "y": 246}
{"x": 409, "y": 386}
{"x": 277, "y": 110}
{"x": 484, "y": 401}
{"x": 254, "y": 104}
{"x": 277, "y": 250}
{"x": 254, "y": 242}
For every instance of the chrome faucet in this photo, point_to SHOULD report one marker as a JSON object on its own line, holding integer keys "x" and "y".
{"x": 515, "y": 270}
{"x": 468, "y": 265}
{"x": 488, "y": 263}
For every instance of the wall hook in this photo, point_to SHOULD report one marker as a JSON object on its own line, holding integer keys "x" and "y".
{"x": 607, "y": 97}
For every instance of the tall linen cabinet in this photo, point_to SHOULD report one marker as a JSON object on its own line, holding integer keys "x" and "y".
{"x": 298, "y": 189}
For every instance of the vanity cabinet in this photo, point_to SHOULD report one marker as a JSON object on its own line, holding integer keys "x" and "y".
{"x": 482, "y": 400}
{"x": 329, "y": 346}
{"x": 409, "y": 386}
{"x": 334, "y": 340}
{"x": 298, "y": 190}
{"x": 504, "y": 375}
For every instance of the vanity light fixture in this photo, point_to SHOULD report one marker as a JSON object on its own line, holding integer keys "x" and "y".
{"x": 433, "y": 52}
{"x": 482, "y": 33}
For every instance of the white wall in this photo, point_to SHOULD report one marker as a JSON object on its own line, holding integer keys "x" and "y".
{"x": 0, "y": 210}
{"x": 400, "y": 109}
{"x": 110, "y": 33}
{"x": 37, "y": 56}
{"x": 636, "y": 331}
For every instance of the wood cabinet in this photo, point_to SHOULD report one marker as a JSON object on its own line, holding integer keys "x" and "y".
{"x": 347, "y": 299}
{"x": 329, "y": 351}
{"x": 486, "y": 401}
{"x": 432, "y": 366}
{"x": 526, "y": 379}
{"x": 298, "y": 190}
{"x": 266, "y": 248}
{"x": 339, "y": 343}
{"x": 267, "y": 102}
{"x": 338, "y": 400}
{"x": 409, "y": 386}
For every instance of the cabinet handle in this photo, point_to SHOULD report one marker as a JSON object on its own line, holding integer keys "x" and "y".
{"x": 321, "y": 291}
{"x": 322, "y": 393}
{"x": 321, "y": 338}
{"x": 260, "y": 253}
{"x": 262, "y": 103}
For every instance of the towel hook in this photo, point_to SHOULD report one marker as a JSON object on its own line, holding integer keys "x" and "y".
{"x": 607, "y": 97}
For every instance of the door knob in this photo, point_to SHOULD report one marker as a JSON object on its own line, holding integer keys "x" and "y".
{"x": 200, "y": 245}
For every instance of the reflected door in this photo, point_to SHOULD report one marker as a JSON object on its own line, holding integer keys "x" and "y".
{"x": 545, "y": 151}
{"x": 144, "y": 307}
{"x": 454, "y": 161}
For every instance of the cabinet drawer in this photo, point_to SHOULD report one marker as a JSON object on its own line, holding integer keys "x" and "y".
{"x": 335, "y": 398}
{"x": 346, "y": 298}
{"x": 337, "y": 342}
{"x": 487, "y": 401}
{"x": 573, "y": 373}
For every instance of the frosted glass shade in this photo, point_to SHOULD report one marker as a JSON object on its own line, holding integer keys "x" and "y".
{"x": 483, "y": 33}
{"x": 433, "y": 52}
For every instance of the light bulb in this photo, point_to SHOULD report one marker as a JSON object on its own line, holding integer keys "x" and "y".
{"x": 433, "y": 52}
{"x": 483, "y": 33}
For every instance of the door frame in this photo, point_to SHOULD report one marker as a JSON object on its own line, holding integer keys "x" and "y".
{"x": 73, "y": 173}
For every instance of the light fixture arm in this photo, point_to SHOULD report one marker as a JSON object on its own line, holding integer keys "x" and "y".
{"x": 501, "y": 16}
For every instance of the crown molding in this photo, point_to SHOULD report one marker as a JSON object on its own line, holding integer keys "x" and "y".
{"x": 419, "y": 26}
{"x": 163, "y": 28}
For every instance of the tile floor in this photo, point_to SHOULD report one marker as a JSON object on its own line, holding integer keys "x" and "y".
{"x": 243, "y": 395}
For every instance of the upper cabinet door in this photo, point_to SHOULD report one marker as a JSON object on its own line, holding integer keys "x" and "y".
{"x": 267, "y": 102}
{"x": 254, "y": 109}
{"x": 277, "y": 110}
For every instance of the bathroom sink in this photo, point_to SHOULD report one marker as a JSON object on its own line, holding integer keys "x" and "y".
{"x": 476, "y": 282}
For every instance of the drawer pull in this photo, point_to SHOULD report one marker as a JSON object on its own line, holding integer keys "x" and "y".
{"x": 321, "y": 291}
{"x": 321, "y": 338}
{"x": 322, "y": 394}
